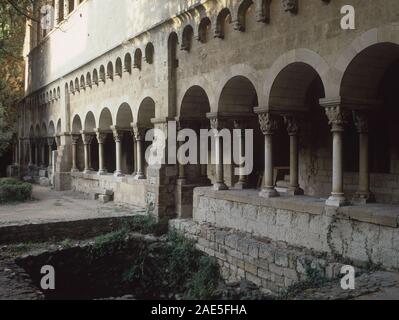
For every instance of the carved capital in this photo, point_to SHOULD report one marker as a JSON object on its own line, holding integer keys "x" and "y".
{"x": 75, "y": 139}
{"x": 293, "y": 124}
{"x": 87, "y": 138}
{"x": 268, "y": 123}
{"x": 50, "y": 141}
{"x": 361, "y": 120}
{"x": 337, "y": 117}
{"x": 101, "y": 137}
{"x": 217, "y": 123}
{"x": 290, "y": 6}
{"x": 139, "y": 133}
{"x": 118, "y": 135}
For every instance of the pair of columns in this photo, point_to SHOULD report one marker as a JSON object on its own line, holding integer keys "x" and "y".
{"x": 338, "y": 117}
{"x": 268, "y": 124}
{"x": 101, "y": 136}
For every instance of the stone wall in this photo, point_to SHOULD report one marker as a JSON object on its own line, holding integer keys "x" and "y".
{"x": 271, "y": 265}
{"x": 126, "y": 189}
{"x": 359, "y": 234}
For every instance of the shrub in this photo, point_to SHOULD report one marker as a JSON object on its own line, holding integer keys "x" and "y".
{"x": 13, "y": 190}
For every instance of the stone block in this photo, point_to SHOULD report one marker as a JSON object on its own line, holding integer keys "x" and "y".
{"x": 44, "y": 182}
{"x": 103, "y": 198}
{"x": 281, "y": 259}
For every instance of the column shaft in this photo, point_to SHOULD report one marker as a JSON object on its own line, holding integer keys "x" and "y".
{"x": 268, "y": 124}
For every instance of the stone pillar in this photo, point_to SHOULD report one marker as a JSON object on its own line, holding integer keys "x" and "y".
{"x": 243, "y": 179}
{"x": 75, "y": 139}
{"x": 139, "y": 134}
{"x": 292, "y": 123}
{"x": 56, "y": 12}
{"x": 118, "y": 136}
{"x": 87, "y": 139}
{"x": 101, "y": 137}
{"x": 30, "y": 153}
{"x": 217, "y": 125}
{"x": 43, "y": 152}
{"x": 268, "y": 125}
{"x": 36, "y": 152}
{"x": 50, "y": 142}
{"x": 66, "y": 8}
{"x": 337, "y": 117}
{"x": 76, "y": 4}
{"x": 134, "y": 154}
{"x": 363, "y": 194}
{"x": 181, "y": 172}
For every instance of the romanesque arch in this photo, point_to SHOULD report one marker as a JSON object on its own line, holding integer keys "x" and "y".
{"x": 301, "y": 55}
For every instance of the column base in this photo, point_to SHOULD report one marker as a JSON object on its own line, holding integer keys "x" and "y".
{"x": 219, "y": 186}
{"x": 118, "y": 174}
{"x": 75, "y": 170}
{"x": 269, "y": 193}
{"x": 102, "y": 172}
{"x": 241, "y": 185}
{"x": 363, "y": 198}
{"x": 139, "y": 176}
{"x": 295, "y": 191}
{"x": 88, "y": 171}
{"x": 337, "y": 200}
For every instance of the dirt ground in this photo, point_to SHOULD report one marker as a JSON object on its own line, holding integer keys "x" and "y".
{"x": 53, "y": 206}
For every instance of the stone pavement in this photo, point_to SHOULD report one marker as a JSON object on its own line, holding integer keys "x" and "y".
{"x": 377, "y": 285}
{"x": 52, "y": 206}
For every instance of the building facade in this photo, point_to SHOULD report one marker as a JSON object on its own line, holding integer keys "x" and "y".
{"x": 322, "y": 103}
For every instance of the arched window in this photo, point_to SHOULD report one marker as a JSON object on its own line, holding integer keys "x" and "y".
{"x": 118, "y": 67}
{"x": 137, "y": 59}
{"x": 128, "y": 63}
{"x": 149, "y": 53}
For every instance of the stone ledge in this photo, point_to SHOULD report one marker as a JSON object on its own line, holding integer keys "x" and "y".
{"x": 379, "y": 214}
{"x": 107, "y": 177}
{"x": 304, "y": 204}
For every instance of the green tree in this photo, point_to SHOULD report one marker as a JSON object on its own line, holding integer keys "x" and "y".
{"x": 13, "y": 15}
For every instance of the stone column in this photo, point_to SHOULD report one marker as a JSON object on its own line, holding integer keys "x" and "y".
{"x": 56, "y": 12}
{"x": 217, "y": 125}
{"x": 66, "y": 8}
{"x": 363, "y": 194}
{"x": 118, "y": 136}
{"x": 50, "y": 142}
{"x": 36, "y": 152}
{"x": 76, "y": 4}
{"x": 292, "y": 123}
{"x": 75, "y": 139}
{"x": 30, "y": 153}
{"x": 337, "y": 117}
{"x": 101, "y": 137}
{"x": 87, "y": 139}
{"x": 58, "y": 141}
{"x": 181, "y": 172}
{"x": 268, "y": 125}
{"x": 43, "y": 152}
{"x": 139, "y": 134}
{"x": 243, "y": 179}
{"x": 134, "y": 154}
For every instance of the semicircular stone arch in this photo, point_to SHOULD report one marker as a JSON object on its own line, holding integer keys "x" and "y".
{"x": 302, "y": 55}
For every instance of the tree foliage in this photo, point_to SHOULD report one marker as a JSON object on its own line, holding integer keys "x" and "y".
{"x": 13, "y": 14}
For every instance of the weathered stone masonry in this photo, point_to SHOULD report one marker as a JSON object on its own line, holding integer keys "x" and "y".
{"x": 322, "y": 103}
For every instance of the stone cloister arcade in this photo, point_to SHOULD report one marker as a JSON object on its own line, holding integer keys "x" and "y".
{"x": 322, "y": 104}
{"x": 292, "y": 133}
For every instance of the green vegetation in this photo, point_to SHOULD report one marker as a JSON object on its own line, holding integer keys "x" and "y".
{"x": 13, "y": 190}
{"x": 173, "y": 268}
